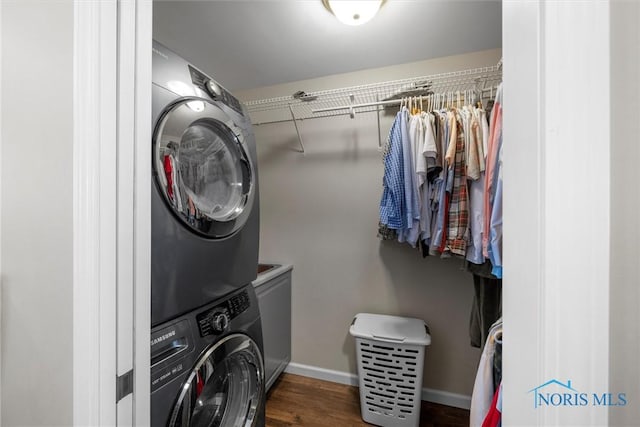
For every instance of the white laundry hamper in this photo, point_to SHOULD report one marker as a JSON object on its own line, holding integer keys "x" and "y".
{"x": 390, "y": 352}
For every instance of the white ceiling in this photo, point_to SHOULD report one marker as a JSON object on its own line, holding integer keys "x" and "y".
{"x": 247, "y": 44}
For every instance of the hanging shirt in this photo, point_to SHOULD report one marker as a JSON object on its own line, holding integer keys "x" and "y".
{"x": 476, "y": 191}
{"x": 430, "y": 148}
{"x": 430, "y": 153}
{"x": 412, "y": 211}
{"x": 494, "y": 133}
{"x": 419, "y": 169}
{"x": 392, "y": 203}
{"x": 476, "y": 194}
{"x": 485, "y": 133}
{"x": 459, "y": 204}
{"x": 440, "y": 189}
{"x": 483, "y": 390}
{"x": 452, "y": 138}
{"x": 481, "y": 131}
{"x": 475, "y": 154}
{"x": 495, "y": 229}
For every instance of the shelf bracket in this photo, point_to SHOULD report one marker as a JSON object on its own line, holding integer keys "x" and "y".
{"x": 378, "y": 121}
{"x": 295, "y": 123}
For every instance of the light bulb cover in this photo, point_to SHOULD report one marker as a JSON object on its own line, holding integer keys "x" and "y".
{"x": 353, "y": 12}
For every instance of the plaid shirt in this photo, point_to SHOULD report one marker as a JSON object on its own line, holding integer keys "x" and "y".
{"x": 392, "y": 204}
{"x": 458, "y": 224}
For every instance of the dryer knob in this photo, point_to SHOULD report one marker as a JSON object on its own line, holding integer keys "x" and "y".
{"x": 219, "y": 322}
{"x": 213, "y": 89}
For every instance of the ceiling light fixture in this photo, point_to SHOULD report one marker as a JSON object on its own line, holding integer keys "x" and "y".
{"x": 355, "y": 12}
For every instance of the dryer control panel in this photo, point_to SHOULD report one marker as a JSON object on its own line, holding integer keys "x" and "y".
{"x": 216, "y": 91}
{"x": 216, "y": 320}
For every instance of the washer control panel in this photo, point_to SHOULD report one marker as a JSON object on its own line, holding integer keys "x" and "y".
{"x": 215, "y": 321}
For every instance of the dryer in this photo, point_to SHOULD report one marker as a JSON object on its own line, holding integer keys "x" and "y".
{"x": 204, "y": 207}
{"x": 207, "y": 366}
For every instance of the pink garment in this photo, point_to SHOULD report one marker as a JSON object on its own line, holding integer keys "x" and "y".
{"x": 494, "y": 133}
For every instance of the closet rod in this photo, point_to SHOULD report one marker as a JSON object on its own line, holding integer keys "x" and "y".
{"x": 366, "y": 104}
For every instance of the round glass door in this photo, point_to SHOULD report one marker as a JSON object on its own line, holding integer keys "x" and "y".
{"x": 225, "y": 388}
{"x": 202, "y": 169}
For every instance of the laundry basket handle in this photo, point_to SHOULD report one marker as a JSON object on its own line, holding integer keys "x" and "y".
{"x": 389, "y": 339}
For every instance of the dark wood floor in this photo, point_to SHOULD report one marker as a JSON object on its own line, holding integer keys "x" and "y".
{"x": 300, "y": 401}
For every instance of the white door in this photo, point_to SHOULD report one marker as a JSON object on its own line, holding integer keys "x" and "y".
{"x": 112, "y": 181}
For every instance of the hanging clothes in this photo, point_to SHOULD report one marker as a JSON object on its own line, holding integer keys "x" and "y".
{"x": 392, "y": 204}
{"x": 490, "y": 177}
{"x": 487, "y": 305}
{"x": 440, "y": 201}
{"x": 480, "y": 132}
{"x": 442, "y": 182}
{"x": 430, "y": 153}
{"x": 459, "y": 206}
{"x": 418, "y": 168}
{"x": 483, "y": 388}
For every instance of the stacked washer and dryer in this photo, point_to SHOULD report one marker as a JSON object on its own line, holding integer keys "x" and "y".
{"x": 206, "y": 340}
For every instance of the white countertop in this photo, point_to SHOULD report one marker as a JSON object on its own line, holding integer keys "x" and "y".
{"x": 272, "y": 273}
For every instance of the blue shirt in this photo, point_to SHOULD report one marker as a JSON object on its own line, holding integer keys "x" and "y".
{"x": 495, "y": 227}
{"x": 392, "y": 203}
{"x": 411, "y": 197}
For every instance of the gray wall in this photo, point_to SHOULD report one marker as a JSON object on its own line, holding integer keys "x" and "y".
{"x": 320, "y": 213}
{"x": 37, "y": 136}
{"x": 624, "y": 338}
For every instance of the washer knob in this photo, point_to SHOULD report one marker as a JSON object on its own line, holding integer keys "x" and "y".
{"x": 213, "y": 89}
{"x": 219, "y": 322}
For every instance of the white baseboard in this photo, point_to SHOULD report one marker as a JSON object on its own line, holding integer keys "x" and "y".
{"x": 322, "y": 374}
{"x": 428, "y": 394}
{"x": 446, "y": 398}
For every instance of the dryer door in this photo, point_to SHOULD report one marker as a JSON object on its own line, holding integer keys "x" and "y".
{"x": 225, "y": 388}
{"x": 202, "y": 167}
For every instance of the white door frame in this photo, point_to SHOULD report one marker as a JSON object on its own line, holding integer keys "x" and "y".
{"x": 556, "y": 207}
{"x": 111, "y": 196}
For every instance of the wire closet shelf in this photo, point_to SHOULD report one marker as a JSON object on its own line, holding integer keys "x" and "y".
{"x": 479, "y": 83}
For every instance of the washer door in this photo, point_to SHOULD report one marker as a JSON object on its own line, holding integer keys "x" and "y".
{"x": 202, "y": 167}
{"x": 225, "y": 388}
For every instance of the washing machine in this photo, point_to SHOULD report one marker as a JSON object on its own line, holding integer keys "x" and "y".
{"x": 207, "y": 366}
{"x": 204, "y": 207}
